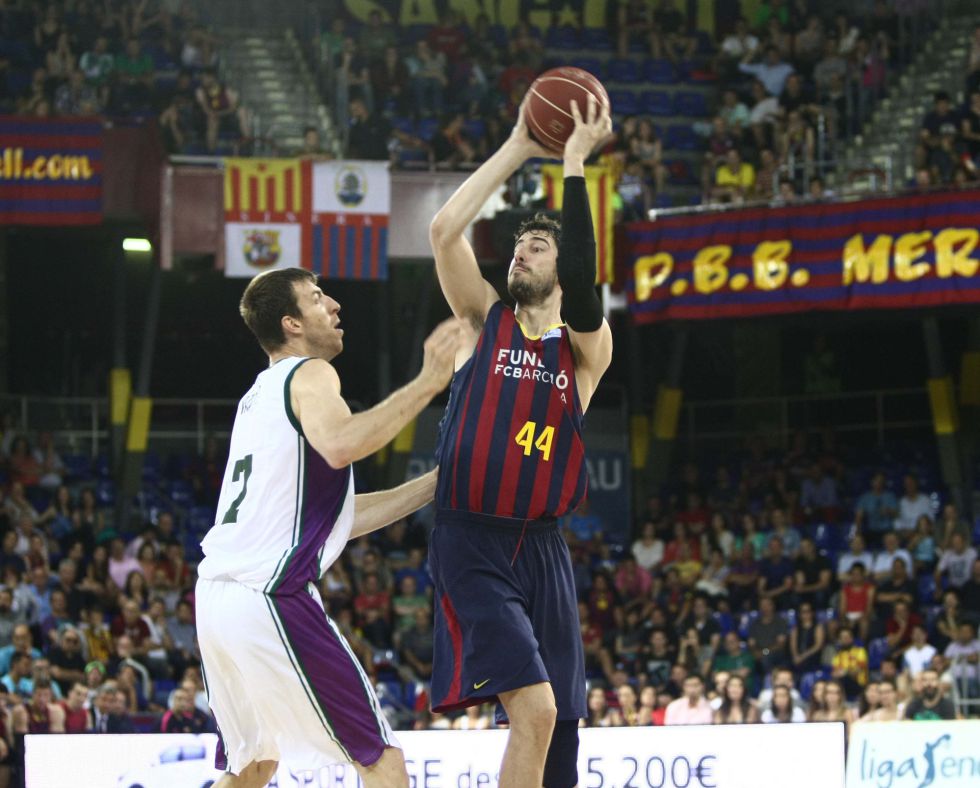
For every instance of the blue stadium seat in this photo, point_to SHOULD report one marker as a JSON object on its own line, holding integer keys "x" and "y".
{"x": 77, "y": 466}
{"x": 826, "y": 614}
{"x": 149, "y": 497}
{"x": 690, "y": 102}
{"x": 789, "y": 616}
{"x": 663, "y": 200}
{"x": 591, "y": 64}
{"x": 656, "y": 102}
{"x": 745, "y": 622}
{"x": 390, "y": 694}
{"x": 105, "y": 493}
{"x": 498, "y": 34}
{"x": 102, "y": 466}
{"x": 475, "y": 128}
{"x": 659, "y": 72}
{"x": 830, "y": 537}
{"x": 413, "y": 158}
{"x": 181, "y": 492}
{"x": 403, "y": 124}
{"x": 624, "y": 102}
{"x": 192, "y": 546}
{"x": 427, "y": 128}
{"x": 877, "y": 651}
{"x": 927, "y": 588}
{"x": 412, "y": 33}
{"x": 161, "y": 692}
{"x": 639, "y": 47}
{"x": 682, "y": 137}
{"x": 597, "y": 38}
{"x": 724, "y": 620}
{"x": 564, "y": 37}
{"x": 152, "y": 466}
{"x": 807, "y": 680}
{"x": 39, "y": 498}
{"x": 622, "y": 70}
{"x": 705, "y": 45}
{"x": 162, "y": 59}
{"x": 18, "y": 80}
{"x": 20, "y": 53}
{"x": 200, "y": 518}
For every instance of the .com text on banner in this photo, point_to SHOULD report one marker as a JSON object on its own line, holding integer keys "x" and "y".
{"x": 889, "y": 253}
{"x": 50, "y": 171}
{"x": 716, "y": 756}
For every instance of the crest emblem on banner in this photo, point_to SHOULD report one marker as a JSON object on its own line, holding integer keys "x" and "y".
{"x": 351, "y": 186}
{"x": 262, "y": 248}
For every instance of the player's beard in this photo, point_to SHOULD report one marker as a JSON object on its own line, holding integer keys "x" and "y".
{"x": 529, "y": 291}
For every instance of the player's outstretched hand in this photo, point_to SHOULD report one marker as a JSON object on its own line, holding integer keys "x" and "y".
{"x": 439, "y": 354}
{"x": 520, "y": 135}
{"x": 590, "y": 131}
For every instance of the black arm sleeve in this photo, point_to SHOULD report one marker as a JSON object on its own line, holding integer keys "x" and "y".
{"x": 580, "y": 306}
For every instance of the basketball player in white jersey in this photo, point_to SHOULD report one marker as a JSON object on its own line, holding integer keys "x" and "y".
{"x": 281, "y": 680}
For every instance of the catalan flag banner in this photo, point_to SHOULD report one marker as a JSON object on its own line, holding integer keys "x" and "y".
{"x": 328, "y": 217}
{"x": 50, "y": 171}
{"x": 599, "y": 182}
{"x": 904, "y": 252}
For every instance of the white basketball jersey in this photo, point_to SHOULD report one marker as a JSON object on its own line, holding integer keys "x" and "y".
{"x": 284, "y": 515}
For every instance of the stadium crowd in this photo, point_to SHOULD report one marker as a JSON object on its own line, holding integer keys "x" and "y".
{"x": 948, "y": 146}
{"x": 794, "y": 81}
{"x": 132, "y": 60}
{"x": 764, "y": 103}
{"x": 755, "y": 111}
{"x": 781, "y": 587}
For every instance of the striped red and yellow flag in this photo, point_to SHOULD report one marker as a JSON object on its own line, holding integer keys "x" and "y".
{"x": 264, "y": 186}
{"x": 599, "y": 181}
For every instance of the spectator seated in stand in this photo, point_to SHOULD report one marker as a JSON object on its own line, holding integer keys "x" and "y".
{"x": 223, "y": 111}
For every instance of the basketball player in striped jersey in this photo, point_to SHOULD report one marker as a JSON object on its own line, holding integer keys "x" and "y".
{"x": 281, "y": 680}
{"x": 512, "y": 461}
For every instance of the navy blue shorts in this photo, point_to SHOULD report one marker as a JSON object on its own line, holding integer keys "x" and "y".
{"x": 506, "y": 613}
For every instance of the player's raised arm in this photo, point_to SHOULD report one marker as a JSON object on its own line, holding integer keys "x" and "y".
{"x": 581, "y": 309}
{"x": 341, "y": 437}
{"x": 469, "y": 295}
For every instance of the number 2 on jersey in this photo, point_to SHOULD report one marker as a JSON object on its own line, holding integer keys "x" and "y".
{"x": 526, "y": 439}
{"x": 243, "y": 467}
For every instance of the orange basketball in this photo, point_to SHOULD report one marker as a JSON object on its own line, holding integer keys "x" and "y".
{"x": 548, "y": 110}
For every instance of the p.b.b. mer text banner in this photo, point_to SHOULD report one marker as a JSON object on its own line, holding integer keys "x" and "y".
{"x": 898, "y": 252}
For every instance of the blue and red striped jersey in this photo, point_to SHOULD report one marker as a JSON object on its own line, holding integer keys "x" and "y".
{"x": 510, "y": 442}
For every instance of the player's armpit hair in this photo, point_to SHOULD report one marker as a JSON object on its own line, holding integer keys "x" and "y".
{"x": 581, "y": 308}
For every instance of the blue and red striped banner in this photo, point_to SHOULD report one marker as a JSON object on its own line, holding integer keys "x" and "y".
{"x": 350, "y": 246}
{"x": 50, "y": 171}
{"x": 886, "y": 253}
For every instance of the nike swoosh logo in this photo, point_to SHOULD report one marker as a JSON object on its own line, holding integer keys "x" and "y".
{"x": 477, "y": 686}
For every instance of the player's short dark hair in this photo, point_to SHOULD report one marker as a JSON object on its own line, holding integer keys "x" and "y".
{"x": 540, "y": 222}
{"x": 267, "y": 299}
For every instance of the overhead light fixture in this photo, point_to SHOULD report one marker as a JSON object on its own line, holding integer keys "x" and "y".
{"x": 137, "y": 245}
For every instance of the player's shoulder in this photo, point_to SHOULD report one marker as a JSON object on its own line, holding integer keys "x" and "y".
{"x": 313, "y": 373}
